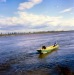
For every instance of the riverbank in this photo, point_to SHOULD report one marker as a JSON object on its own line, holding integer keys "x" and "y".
{"x": 24, "y": 33}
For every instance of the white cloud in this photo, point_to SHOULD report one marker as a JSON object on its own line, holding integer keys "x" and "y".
{"x": 32, "y": 21}
{"x": 2, "y": 0}
{"x": 66, "y": 10}
{"x": 68, "y": 22}
{"x": 29, "y": 4}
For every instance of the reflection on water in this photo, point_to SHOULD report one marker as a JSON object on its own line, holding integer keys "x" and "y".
{"x": 46, "y": 54}
{"x": 18, "y": 55}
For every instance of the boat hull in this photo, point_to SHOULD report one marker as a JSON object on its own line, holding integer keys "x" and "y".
{"x": 48, "y": 49}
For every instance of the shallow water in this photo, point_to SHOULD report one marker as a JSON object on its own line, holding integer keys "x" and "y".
{"x": 18, "y": 55}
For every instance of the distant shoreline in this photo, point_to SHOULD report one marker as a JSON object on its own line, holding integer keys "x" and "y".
{"x": 24, "y": 33}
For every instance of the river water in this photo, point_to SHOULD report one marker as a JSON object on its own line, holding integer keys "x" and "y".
{"x": 18, "y": 55}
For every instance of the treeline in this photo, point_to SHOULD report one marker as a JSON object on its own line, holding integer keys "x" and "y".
{"x": 23, "y": 33}
{"x": 12, "y": 33}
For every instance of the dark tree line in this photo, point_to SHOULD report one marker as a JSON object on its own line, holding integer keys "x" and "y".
{"x": 23, "y": 33}
{"x": 13, "y": 33}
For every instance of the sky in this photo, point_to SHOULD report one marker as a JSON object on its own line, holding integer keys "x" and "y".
{"x": 36, "y": 15}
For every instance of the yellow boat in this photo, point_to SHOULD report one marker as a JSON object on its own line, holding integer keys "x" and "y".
{"x": 48, "y": 49}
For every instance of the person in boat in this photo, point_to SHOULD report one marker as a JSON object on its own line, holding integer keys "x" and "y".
{"x": 43, "y": 47}
{"x": 54, "y": 44}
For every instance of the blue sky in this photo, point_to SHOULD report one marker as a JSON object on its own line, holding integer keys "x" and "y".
{"x": 36, "y": 15}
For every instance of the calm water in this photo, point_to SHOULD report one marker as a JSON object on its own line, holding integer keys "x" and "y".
{"x": 18, "y": 55}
